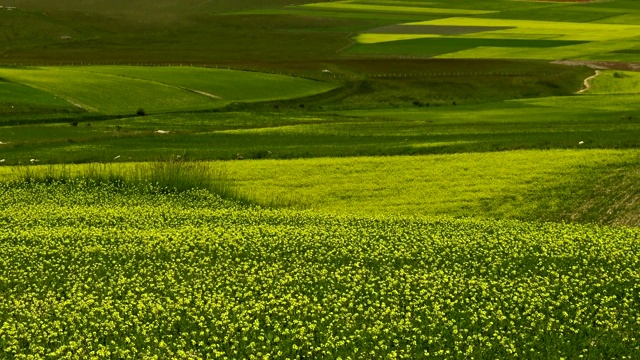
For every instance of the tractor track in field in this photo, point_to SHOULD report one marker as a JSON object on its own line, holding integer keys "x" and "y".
{"x": 201, "y": 93}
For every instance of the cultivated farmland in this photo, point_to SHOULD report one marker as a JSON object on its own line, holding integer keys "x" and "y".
{"x": 111, "y": 272}
{"x": 354, "y": 179}
{"x": 118, "y": 89}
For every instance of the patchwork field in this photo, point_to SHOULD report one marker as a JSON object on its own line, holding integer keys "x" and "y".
{"x": 502, "y": 29}
{"x": 319, "y": 179}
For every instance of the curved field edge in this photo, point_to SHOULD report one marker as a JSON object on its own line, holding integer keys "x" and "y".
{"x": 123, "y": 89}
{"x": 595, "y": 186}
{"x": 113, "y": 272}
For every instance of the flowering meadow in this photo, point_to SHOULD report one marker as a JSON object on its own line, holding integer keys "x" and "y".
{"x": 108, "y": 271}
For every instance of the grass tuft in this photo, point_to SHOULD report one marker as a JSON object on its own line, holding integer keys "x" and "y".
{"x": 172, "y": 176}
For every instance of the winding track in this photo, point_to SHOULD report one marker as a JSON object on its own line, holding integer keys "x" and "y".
{"x": 587, "y": 82}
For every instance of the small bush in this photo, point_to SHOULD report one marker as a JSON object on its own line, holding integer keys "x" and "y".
{"x": 141, "y": 112}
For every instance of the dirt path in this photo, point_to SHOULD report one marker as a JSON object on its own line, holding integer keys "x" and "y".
{"x": 587, "y": 82}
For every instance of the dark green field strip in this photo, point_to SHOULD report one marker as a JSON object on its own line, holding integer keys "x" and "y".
{"x": 627, "y": 51}
{"x": 155, "y": 10}
{"x": 526, "y": 128}
{"x": 433, "y": 29}
{"x": 386, "y": 17}
{"x": 437, "y": 46}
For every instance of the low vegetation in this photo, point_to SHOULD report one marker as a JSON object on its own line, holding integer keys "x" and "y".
{"x": 104, "y": 271}
{"x": 319, "y": 179}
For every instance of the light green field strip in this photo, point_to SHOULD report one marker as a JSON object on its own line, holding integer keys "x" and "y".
{"x": 543, "y": 29}
{"x": 607, "y": 82}
{"x": 502, "y": 184}
{"x": 457, "y": 185}
{"x": 126, "y": 89}
{"x": 106, "y": 93}
{"x": 378, "y": 38}
{"x": 351, "y": 6}
{"x": 227, "y": 85}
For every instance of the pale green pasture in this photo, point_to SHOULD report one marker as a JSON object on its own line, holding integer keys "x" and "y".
{"x": 106, "y": 93}
{"x": 453, "y": 185}
{"x": 480, "y": 184}
{"x": 515, "y": 184}
{"x": 626, "y": 82}
{"x": 353, "y": 6}
{"x": 226, "y": 85}
{"x": 124, "y": 89}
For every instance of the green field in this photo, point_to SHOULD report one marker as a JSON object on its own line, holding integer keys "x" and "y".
{"x": 118, "y": 90}
{"x": 103, "y": 271}
{"x": 616, "y": 82}
{"x": 353, "y": 179}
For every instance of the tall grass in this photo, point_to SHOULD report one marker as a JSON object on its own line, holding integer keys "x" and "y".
{"x": 155, "y": 177}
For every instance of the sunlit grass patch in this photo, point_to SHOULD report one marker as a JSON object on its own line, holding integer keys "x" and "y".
{"x": 124, "y": 89}
{"x": 560, "y": 30}
{"x": 616, "y": 82}
{"x": 514, "y": 184}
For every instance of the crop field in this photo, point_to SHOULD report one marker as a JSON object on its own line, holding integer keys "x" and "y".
{"x": 126, "y": 89}
{"x": 306, "y": 179}
{"x": 104, "y": 271}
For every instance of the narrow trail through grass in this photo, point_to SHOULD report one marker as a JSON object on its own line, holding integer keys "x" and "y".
{"x": 587, "y": 82}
